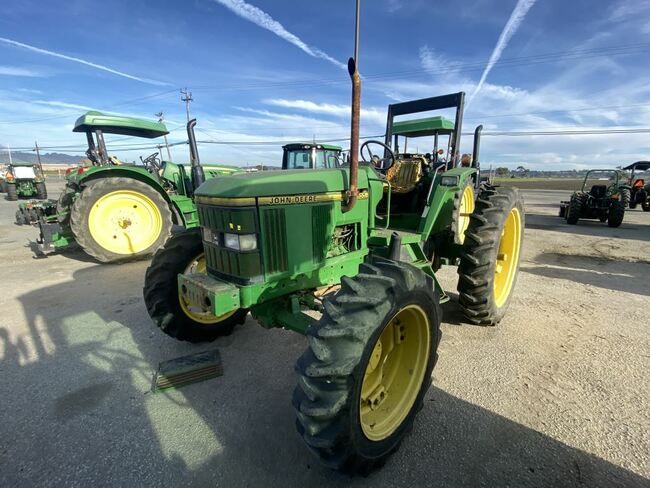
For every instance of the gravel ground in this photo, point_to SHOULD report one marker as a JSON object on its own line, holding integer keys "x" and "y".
{"x": 556, "y": 395}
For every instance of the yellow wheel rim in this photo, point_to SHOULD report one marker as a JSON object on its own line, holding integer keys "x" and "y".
{"x": 125, "y": 222}
{"x": 195, "y": 313}
{"x": 464, "y": 211}
{"x": 394, "y": 373}
{"x": 507, "y": 257}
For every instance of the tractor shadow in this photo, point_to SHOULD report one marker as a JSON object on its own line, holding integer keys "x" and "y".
{"x": 600, "y": 271}
{"x": 84, "y": 367}
{"x": 592, "y": 228}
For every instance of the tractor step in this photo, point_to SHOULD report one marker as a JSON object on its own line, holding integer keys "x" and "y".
{"x": 186, "y": 370}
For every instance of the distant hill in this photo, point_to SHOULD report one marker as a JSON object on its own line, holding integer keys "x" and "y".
{"x": 46, "y": 158}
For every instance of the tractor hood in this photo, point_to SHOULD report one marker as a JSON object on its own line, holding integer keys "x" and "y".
{"x": 277, "y": 183}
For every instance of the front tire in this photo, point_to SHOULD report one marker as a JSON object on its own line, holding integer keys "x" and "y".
{"x": 117, "y": 219}
{"x": 575, "y": 209}
{"x": 182, "y": 253}
{"x": 489, "y": 263}
{"x": 368, "y": 366}
{"x": 616, "y": 214}
{"x": 12, "y": 193}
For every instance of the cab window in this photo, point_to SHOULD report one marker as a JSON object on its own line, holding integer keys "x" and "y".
{"x": 298, "y": 159}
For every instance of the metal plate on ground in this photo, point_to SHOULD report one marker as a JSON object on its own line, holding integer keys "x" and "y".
{"x": 187, "y": 370}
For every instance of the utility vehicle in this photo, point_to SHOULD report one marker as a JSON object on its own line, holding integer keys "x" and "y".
{"x": 24, "y": 180}
{"x": 311, "y": 156}
{"x": 349, "y": 244}
{"x": 639, "y": 188}
{"x": 606, "y": 199}
{"x": 117, "y": 211}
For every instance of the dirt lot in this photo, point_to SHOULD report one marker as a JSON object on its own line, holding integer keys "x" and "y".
{"x": 557, "y": 395}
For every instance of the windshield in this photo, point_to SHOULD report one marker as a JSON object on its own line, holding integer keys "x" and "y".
{"x": 23, "y": 172}
{"x": 301, "y": 159}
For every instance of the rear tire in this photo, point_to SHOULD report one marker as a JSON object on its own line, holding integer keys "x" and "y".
{"x": 3, "y": 186}
{"x": 646, "y": 206}
{"x": 333, "y": 400}
{"x": 489, "y": 263}
{"x": 575, "y": 209}
{"x": 616, "y": 214}
{"x": 161, "y": 292}
{"x": 41, "y": 191}
{"x": 625, "y": 197}
{"x": 88, "y": 200}
{"x": 12, "y": 193}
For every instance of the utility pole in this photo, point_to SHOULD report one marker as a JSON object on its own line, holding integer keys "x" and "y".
{"x": 160, "y": 119}
{"x": 38, "y": 155}
{"x": 187, "y": 98}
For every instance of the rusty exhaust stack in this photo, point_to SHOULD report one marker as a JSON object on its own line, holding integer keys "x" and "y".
{"x": 353, "y": 70}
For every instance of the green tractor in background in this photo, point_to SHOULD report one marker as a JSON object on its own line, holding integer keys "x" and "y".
{"x": 311, "y": 156}
{"x": 117, "y": 211}
{"x": 604, "y": 201}
{"x": 358, "y": 245}
{"x": 24, "y": 180}
{"x": 639, "y": 189}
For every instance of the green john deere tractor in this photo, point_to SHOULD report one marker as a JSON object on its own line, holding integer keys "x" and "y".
{"x": 117, "y": 211}
{"x": 606, "y": 199}
{"x": 24, "y": 180}
{"x": 357, "y": 246}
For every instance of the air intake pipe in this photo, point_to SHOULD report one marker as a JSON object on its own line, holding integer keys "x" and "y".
{"x": 198, "y": 176}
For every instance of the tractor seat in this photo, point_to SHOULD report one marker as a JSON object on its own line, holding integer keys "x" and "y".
{"x": 405, "y": 174}
{"x": 598, "y": 191}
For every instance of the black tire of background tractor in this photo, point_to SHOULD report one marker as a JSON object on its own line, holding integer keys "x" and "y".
{"x": 616, "y": 214}
{"x": 41, "y": 191}
{"x": 479, "y": 255}
{"x": 646, "y": 206}
{"x": 575, "y": 209}
{"x": 632, "y": 205}
{"x": 603, "y": 217}
{"x": 625, "y": 197}
{"x": 20, "y": 218}
{"x": 458, "y": 196}
{"x": 84, "y": 202}
{"x": 331, "y": 371}
{"x": 161, "y": 291}
{"x": 3, "y": 186}
{"x": 12, "y": 193}
{"x": 562, "y": 212}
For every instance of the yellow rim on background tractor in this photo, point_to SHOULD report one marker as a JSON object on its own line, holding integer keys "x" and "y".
{"x": 507, "y": 257}
{"x": 394, "y": 373}
{"x": 195, "y": 313}
{"x": 125, "y": 222}
{"x": 464, "y": 211}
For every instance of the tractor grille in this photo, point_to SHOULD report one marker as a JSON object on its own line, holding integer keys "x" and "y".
{"x": 275, "y": 240}
{"x": 238, "y": 266}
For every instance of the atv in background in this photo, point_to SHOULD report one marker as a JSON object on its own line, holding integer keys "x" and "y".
{"x": 24, "y": 180}
{"x": 639, "y": 189}
{"x": 606, "y": 199}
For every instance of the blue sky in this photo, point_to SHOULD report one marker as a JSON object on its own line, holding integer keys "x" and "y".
{"x": 263, "y": 70}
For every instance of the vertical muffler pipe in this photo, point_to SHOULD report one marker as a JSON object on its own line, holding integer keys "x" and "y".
{"x": 198, "y": 176}
{"x": 353, "y": 70}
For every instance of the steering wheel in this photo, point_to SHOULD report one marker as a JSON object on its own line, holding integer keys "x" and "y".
{"x": 377, "y": 162}
{"x": 151, "y": 162}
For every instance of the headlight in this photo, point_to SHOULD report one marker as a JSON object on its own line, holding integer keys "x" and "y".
{"x": 449, "y": 180}
{"x": 240, "y": 242}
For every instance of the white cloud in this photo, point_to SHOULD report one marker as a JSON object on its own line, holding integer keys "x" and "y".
{"x": 339, "y": 110}
{"x": 101, "y": 67}
{"x": 18, "y": 71}
{"x": 265, "y": 21}
{"x": 515, "y": 20}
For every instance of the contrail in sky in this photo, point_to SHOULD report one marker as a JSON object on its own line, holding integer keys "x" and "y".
{"x": 81, "y": 61}
{"x": 515, "y": 20}
{"x": 265, "y": 21}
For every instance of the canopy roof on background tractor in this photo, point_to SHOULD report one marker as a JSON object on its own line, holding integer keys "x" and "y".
{"x": 309, "y": 145}
{"x": 115, "y": 124}
{"x": 423, "y": 127}
{"x": 639, "y": 166}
